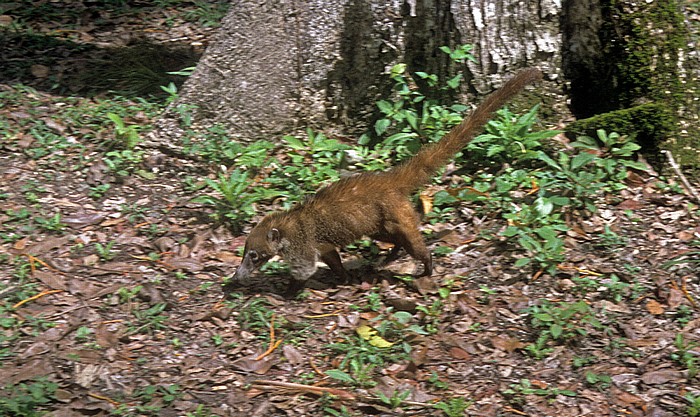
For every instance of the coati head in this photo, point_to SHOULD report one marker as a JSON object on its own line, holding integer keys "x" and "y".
{"x": 263, "y": 243}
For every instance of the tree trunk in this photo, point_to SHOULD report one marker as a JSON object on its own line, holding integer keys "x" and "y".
{"x": 277, "y": 67}
{"x": 632, "y": 68}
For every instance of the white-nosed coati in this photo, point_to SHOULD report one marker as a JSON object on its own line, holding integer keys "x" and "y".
{"x": 374, "y": 204}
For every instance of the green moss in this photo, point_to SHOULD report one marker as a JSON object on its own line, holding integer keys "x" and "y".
{"x": 649, "y": 123}
{"x": 643, "y": 41}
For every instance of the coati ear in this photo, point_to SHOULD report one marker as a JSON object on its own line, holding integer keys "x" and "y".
{"x": 274, "y": 235}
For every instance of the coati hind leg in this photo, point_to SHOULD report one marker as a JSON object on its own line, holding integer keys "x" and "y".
{"x": 402, "y": 230}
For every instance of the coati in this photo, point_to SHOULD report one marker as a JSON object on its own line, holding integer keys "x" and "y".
{"x": 374, "y": 204}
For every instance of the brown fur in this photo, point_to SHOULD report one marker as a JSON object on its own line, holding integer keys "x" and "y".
{"x": 369, "y": 204}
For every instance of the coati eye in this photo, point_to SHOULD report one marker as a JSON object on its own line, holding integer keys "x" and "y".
{"x": 254, "y": 256}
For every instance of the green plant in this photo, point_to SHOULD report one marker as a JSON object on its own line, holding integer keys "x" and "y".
{"x": 537, "y": 228}
{"x": 454, "y": 407}
{"x": 611, "y": 156}
{"x": 126, "y": 136}
{"x": 685, "y": 355}
{"x": 510, "y": 138}
{"x": 105, "y": 251}
{"x": 684, "y": 314}
{"x": 98, "y": 191}
{"x": 235, "y": 203}
{"x": 360, "y": 359}
{"x": 51, "y": 224}
{"x": 437, "y": 382}
{"x": 207, "y": 13}
{"x": 693, "y": 408}
{"x": 27, "y": 399}
{"x": 150, "y": 319}
{"x": 525, "y": 387}
{"x": 123, "y": 162}
{"x": 561, "y": 322}
{"x": 127, "y": 295}
{"x": 602, "y": 382}
{"x": 411, "y": 115}
{"x": 397, "y": 398}
{"x": 314, "y": 161}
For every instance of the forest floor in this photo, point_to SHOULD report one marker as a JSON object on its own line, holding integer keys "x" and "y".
{"x": 111, "y": 299}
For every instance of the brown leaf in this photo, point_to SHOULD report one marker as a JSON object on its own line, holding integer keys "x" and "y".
{"x": 82, "y": 219}
{"x": 507, "y": 344}
{"x": 654, "y": 307}
{"x": 51, "y": 280}
{"x": 459, "y": 353}
{"x": 627, "y": 398}
{"x": 292, "y": 354}
{"x": 630, "y": 205}
{"x": 662, "y": 376}
{"x": 39, "y": 71}
{"x": 187, "y": 264}
{"x": 251, "y": 364}
{"x": 46, "y": 245}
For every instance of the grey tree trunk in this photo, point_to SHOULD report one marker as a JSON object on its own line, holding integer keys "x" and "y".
{"x": 277, "y": 67}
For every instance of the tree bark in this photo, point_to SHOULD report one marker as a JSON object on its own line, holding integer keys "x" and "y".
{"x": 277, "y": 67}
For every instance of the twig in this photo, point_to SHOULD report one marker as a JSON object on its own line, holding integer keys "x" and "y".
{"x": 268, "y": 385}
{"x": 34, "y": 297}
{"x": 686, "y": 184}
{"x": 103, "y": 398}
{"x": 273, "y": 343}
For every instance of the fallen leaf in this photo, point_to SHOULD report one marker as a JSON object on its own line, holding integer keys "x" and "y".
{"x": 654, "y": 307}
{"x": 662, "y": 376}
{"x": 459, "y": 353}
{"x": 370, "y": 335}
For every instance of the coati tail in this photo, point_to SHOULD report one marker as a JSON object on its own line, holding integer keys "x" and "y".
{"x": 420, "y": 169}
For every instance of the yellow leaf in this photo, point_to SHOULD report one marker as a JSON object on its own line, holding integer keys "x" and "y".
{"x": 365, "y": 332}
{"x": 370, "y": 335}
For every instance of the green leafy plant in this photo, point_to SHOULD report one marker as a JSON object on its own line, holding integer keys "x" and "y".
{"x": 397, "y": 398}
{"x": 411, "y": 116}
{"x": 510, "y": 137}
{"x": 314, "y": 161}
{"x": 105, "y": 251}
{"x": 454, "y": 407}
{"x": 561, "y": 322}
{"x": 599, "y": 381}
{"x": 51, "y": 224}
{"x": 685, "y": 355}
{"x": 693, "y": 408}
{"x": 235, "y": 201}
{"x": 126, "y": 136}
{"x": 360, "y": 359}
{"x": 149, "y": 320}
{"x": 27, "y": 399}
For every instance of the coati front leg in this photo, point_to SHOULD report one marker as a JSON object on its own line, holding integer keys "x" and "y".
{"x": 330, "y": 256}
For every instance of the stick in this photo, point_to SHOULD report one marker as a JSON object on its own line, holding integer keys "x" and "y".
{"x": 686, "y": 184}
